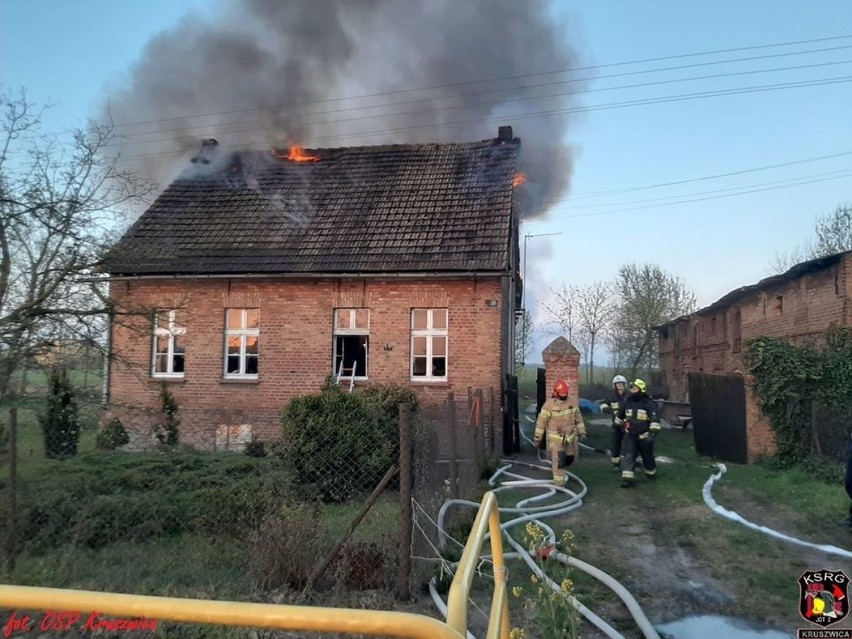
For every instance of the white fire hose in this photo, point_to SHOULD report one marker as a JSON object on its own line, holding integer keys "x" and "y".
{"x": 526, "y": 512}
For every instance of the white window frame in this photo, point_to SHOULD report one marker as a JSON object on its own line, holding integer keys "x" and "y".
{"x": 170, "y": 331}
{"x": 429, "y": 333}
{"x": 351, "y": 330}
{"x": 243, "y": 332}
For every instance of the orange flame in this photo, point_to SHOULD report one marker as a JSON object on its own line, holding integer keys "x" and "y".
{"x": 520, "y": 178}
{"x": 297, "y": 154}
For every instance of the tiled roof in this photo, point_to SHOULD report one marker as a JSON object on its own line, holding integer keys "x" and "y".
{"x": 399, "y": 208}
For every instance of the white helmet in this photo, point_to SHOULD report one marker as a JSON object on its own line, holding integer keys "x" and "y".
{"x": 619, "y": 378}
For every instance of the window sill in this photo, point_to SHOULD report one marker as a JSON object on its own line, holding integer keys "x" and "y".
{"x": 234, "y": 380}
{"x": 166, "y": 379}
{"x": 429, "y": 381}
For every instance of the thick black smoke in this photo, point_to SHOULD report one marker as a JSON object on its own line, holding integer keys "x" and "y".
{"x": 324, "y": 73}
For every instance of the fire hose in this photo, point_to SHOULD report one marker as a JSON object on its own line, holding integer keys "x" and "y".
{"x": 527, "y": 512}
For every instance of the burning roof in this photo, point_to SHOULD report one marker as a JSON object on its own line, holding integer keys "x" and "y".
{"x": 374, "y": 209}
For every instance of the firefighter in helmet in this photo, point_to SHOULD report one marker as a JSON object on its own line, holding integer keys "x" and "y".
{"x": 638, "y": 417}
{"x": 616, "y": 400}
{"x": 560, "y": 424}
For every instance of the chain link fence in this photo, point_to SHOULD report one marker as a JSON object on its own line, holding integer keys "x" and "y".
{"x": 332, "y": 513}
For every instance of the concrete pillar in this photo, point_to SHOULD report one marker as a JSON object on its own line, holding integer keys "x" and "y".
{"x": 562, "y": 361}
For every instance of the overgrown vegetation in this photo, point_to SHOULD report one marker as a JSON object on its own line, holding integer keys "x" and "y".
{"x": 801, "y": 387}
{"x": 104, "y": 499}
{"x": 60, "y": 422}
{"x": 340, "y": 443}
{"x": 112, "y": 436}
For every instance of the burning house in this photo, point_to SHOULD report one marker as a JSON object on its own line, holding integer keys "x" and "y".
{"x": 255, "y": 275}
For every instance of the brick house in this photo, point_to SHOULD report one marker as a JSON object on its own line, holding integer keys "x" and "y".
{"x": 799, "y": 304}
{"x": 256, "y": 275}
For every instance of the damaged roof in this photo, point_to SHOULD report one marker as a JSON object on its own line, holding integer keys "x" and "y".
{"x": 371, "y": 209}
{"x": 799, "y": 270}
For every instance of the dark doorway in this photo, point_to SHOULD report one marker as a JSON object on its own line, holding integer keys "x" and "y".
{"x": 719, "y": 416}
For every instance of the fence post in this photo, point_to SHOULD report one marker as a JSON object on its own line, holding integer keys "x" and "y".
{"x": 451, "y": 419}
{"x": 12, "y": 540}
{"x": 403, "y": 585}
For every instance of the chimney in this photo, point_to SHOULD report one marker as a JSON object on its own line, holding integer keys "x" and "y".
{"x": 504, "y": 134}
{"x": 208, "y": 147}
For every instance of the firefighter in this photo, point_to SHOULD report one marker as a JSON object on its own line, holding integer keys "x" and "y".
{"x": 617, "y": 398}
{"x": 560, "y": 424}
{"x": 638, "y": 417}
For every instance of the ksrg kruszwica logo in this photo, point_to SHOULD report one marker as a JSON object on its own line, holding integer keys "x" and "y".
{"x": 823, "y": 596}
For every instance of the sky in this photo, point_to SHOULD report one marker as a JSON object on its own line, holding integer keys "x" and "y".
{"x": 75, "y": 54}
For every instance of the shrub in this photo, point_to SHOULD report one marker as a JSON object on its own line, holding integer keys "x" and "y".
{"x": 337, "y": 443}
{"x": 60, "y": 423}
{"x": 363, "y": 565}
{"x": 255, "y": 448}
{"x": 112, "y": 436}
{"x": 286, "y": 547}
{"x": 95, "y": 500}
{"x": 168, "y": 433}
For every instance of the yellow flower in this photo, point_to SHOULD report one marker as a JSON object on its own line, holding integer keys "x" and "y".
{"x": 567, "y": 585}
{"x": 516, "y": 633}
{"x": 533, "y": 579}
{"x": 517, "y": 591}
{"x": 567, "y": 537}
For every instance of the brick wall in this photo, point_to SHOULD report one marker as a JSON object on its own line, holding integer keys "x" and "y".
{"x": 295, "y": 346}
{"x": 562, "y": 361}
{"x": 714, "y": 341}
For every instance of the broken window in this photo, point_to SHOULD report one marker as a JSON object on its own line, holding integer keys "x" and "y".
{"x": 242, "y": 335}
{"x": 169, "y": 345}
{"x": 351, "y": 350}
{"x": 429, "y": 343}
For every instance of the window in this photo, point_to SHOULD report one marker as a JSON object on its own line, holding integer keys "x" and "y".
{"x": 779, "y": 304}
{"x": 169, "y": 346}
{"x": 429, "y": 343}
{"x": 242, "y": 330}
{"x": 351, "y": 341}
{"x": 696, "y": 335}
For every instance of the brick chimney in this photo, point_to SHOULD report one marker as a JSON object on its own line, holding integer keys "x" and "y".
{"x": 208, "y": 147}
{"x": 504, "y": 134}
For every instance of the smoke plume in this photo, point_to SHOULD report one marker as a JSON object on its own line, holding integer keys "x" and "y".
{"x": 329, "y": 73}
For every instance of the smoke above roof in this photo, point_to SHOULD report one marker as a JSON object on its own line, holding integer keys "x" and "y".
{"x": 330, "y": 73}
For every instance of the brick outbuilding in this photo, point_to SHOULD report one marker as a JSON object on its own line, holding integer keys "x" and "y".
{"x": 256, "y": 275}
{"x": 798, "y": 305}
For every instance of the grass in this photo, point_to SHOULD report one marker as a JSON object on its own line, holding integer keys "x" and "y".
{"x": 660, "y": 536}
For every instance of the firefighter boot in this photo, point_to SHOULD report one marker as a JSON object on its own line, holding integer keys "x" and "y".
{"x": 627, "y": 477}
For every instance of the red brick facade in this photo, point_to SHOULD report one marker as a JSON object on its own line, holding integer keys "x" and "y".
{"x": 796, "y": 307}
{"x": 295, "y": 345}
{"x": 562, "y": 361}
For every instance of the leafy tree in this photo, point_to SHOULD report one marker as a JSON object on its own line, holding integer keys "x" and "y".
{"x": 832, "y": 234}
{"x": 596, "y": 311}
{"x": 647, "y": 297}
{"x": 60, "y": 422}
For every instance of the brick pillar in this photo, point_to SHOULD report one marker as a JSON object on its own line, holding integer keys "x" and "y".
{"x": 562, "y": 361}
{"x": 760, "y": 437}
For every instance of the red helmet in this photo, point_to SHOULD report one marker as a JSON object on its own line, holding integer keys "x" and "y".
{"x": 561, "y": 389}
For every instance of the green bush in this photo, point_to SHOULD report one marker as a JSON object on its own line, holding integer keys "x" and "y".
{"x": 255, "y": 448}
{"x": 168, "y": 434}
{"x": 112, "y": 436}
{"x": 60, "y": 423}
{"x": 337, "y": 443}
{"x": 94, "y": 499}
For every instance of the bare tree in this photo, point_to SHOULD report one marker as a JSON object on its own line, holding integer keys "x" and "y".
{"x": 832, "y": 234}
{"x": 648, "y": 297}
{"x": 61, "y": 204}
{"x": 596, "y": 311}
{"x": 563, "y": 311}
{"x": 523, "y": 338}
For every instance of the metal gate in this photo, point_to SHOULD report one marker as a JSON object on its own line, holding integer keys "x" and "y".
{"x": 719, "y": 416}
{"x": 511, "y": 423}
{"x": 540, "y": 389}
